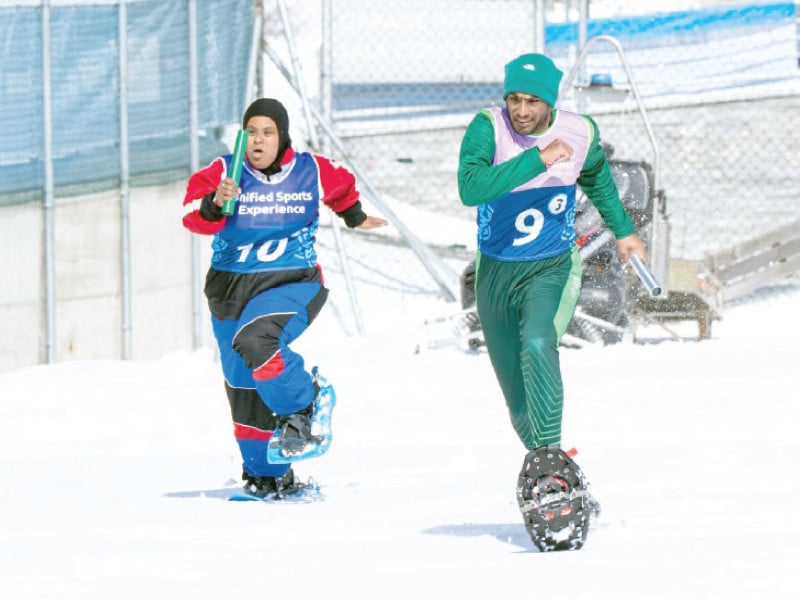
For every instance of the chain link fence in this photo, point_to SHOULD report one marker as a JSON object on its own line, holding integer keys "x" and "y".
{"x": 77, "y": 83}
{"x": 720, "y": 86}
{"x": 398, "y": 82}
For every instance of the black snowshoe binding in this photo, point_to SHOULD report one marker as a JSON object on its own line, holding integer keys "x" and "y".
{"x": 554, "y": 499}
{"x": 295, "y": 432}
{"x": 305, "y": 434}
{"x": 272, "y": 487}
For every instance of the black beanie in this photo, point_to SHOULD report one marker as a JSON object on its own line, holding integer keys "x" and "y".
{"x": 269, "y": 107}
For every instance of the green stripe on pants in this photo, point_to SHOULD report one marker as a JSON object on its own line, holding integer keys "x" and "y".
{"x": 524, "y": 309}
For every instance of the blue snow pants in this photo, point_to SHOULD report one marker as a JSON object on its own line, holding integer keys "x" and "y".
{"x": 264, "y": 377}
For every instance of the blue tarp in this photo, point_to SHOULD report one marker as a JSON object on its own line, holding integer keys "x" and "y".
{"x": 85, "y": 88}
{"x": 660, "y": 28}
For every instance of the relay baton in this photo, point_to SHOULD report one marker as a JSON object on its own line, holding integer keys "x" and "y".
{"x": 236, "y": 168}
{"x": 645, "y": 274}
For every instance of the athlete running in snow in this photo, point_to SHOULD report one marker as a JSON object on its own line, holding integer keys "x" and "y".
{"x": 520, "y": 165}
{"x": 264, "y": 286}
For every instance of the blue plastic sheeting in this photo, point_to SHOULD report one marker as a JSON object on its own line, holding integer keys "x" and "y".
{"x": 85, "y": 78}
{"x": 648, "y": 28}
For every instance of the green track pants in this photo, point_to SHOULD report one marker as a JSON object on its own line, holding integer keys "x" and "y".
{"x": 524, "y": 309}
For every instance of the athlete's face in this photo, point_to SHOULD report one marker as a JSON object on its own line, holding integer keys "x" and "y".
{"x": 528, "y": 114}
{"x": 262, "y": 141}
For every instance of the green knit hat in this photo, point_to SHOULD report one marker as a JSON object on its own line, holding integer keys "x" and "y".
{"x": 533, "y": 74}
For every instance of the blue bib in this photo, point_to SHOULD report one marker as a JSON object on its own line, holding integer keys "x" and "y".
{"x": 537, "y": 219}
{"x": 275, "y": 220}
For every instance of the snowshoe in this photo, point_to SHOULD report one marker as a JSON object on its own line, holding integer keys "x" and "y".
{"x": 287, "y": 488}
{"x": 306, "y": 434}
{"x": 554, "y": 500}
{"x": 267, "y": 486}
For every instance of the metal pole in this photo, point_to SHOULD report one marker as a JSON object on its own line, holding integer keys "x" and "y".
{"x": 326, "y": 67}
{"x": 583, "y": 28}
{"x": 124, "y": 184}
{"x": 194, "y": 165}
{"x": 252, "y": 65}
{"x": 298, "y": 82}
{"x": 48, "y": 203}
{"x": 538, "y": 26}
{"x": 326, "y": 100}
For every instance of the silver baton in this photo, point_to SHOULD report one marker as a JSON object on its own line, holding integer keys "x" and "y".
{"x": 645, "y": 274}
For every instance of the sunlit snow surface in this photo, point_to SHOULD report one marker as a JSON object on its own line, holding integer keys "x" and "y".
{"x": 115, "y": 474}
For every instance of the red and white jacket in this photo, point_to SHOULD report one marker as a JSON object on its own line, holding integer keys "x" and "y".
{"x": 276, "y": 217}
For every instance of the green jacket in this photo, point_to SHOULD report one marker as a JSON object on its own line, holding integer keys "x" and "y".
{"x": 479, "y": 181}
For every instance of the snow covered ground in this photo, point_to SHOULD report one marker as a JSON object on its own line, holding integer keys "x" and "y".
{"x": 115, "y": 474}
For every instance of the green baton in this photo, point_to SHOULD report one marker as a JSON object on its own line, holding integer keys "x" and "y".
{"x": 236, "y": 168}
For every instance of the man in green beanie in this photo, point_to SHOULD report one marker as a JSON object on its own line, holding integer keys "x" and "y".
{"x": 520, "y": 166}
